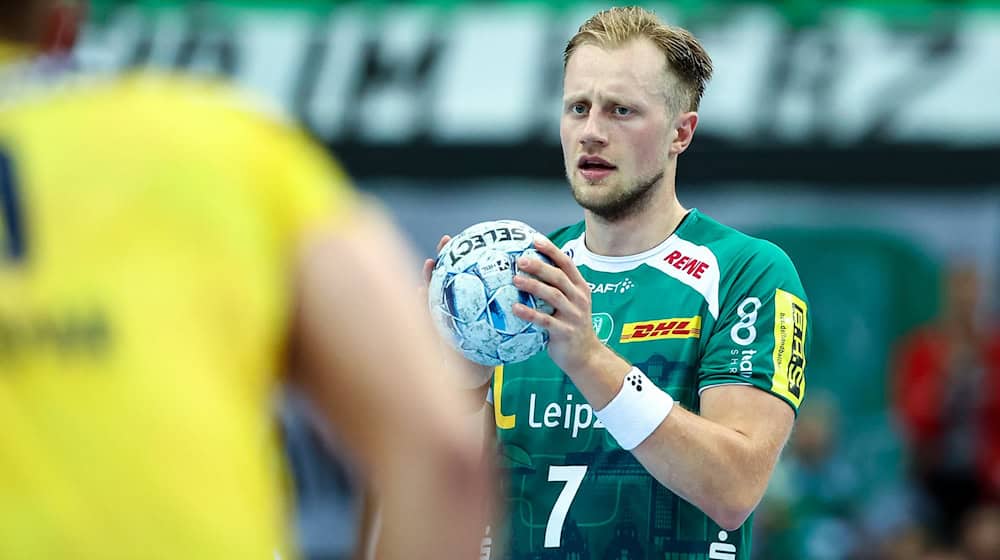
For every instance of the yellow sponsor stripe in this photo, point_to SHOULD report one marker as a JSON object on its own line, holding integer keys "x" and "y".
{"x": 789, "y": 356}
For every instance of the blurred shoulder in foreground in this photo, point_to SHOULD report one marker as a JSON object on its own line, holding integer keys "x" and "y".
{"x": 169, "y": 255}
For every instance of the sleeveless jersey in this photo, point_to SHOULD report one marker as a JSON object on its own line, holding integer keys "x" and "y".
{"x": 149, "y": 229}
{"x": 709, "y": 306}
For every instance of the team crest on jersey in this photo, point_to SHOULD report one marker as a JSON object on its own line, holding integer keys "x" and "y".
{"x": 604, "y": 326}
{"x": 657, "y": 329}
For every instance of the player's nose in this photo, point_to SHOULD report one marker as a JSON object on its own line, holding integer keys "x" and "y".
{"x": 593, "y": 132}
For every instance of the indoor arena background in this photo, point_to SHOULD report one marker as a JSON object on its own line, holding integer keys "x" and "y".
{"x": 863, "y": 139}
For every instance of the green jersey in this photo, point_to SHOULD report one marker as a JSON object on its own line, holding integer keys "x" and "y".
{"x": 709, "y": 306}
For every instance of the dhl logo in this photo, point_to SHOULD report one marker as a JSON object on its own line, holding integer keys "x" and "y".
{"x": 657, "y": 329}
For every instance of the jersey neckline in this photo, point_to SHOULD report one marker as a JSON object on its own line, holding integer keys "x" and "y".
{"x": 585, "y": 255}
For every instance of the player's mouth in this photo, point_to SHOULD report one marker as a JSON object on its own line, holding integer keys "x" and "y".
{"x": 594, "y": 168}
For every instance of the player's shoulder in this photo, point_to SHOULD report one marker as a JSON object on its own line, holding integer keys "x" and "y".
{"x": 742, "y": 258}
{"x": 733, "y": 248}
{"x": 212, "y": 108}
{"x": 151, "y": 107}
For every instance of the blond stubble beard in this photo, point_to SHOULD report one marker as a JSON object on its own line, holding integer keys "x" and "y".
{"x": 617, "y": 203}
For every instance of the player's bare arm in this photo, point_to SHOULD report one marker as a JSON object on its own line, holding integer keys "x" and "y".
{"x": 721, "y": 460}
{"x": 479, "y": 377}
{"x": 424, "y": 466}
{"x": 478, "y": 380}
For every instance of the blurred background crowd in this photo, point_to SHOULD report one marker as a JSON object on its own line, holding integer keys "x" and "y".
{"x": 861, "y": 137}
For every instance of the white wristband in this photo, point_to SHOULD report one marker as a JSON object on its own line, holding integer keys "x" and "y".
{"x": 638, "y": 409}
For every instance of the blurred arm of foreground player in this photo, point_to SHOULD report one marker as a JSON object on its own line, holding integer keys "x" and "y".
{"x": 367, "y": 357}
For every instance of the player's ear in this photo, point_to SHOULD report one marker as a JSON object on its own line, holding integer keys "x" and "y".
{"x": 683, "y": 125}
{"x": 61, "y": 25}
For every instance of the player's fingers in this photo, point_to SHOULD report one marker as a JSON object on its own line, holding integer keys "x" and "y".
{"x": 550, "y": 294}
{"x": 427, "y": 270}
{"x": 559, "y": 259}
{"x": 544, "y": 320}
{"x": 548, "y": 274}
{"x": 444, "y": 241}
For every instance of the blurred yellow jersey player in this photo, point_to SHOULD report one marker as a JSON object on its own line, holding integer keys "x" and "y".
{"x": 159, "y": 244}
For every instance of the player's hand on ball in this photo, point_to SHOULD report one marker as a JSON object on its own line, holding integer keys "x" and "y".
{"x": 571, "y": 332}
{"x": 478, "y": 374}
{"x": 471, "y": 293}
{"x": 429, "y": 266}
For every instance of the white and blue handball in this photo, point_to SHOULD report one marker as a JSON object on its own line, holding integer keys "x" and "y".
{"x": 472, "y": 292}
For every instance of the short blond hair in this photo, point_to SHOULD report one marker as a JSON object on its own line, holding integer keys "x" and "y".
{"x": 686, "y": 58}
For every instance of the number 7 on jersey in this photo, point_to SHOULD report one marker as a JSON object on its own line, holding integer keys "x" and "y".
{"x": 573, "y": 477}
{"x": 12, "y": 242}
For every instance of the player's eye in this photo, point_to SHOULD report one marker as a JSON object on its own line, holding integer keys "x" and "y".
{"x": 621, "y": 111}
{"x": 578, "y": 109}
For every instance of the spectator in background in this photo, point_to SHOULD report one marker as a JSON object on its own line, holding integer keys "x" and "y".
{"x": 808, "y": 510}
{"x": 947, "y": 398}
{"x": 941, "y": 553}
{"x": 980, "y": 534}
{"x": 907, "y": 542}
